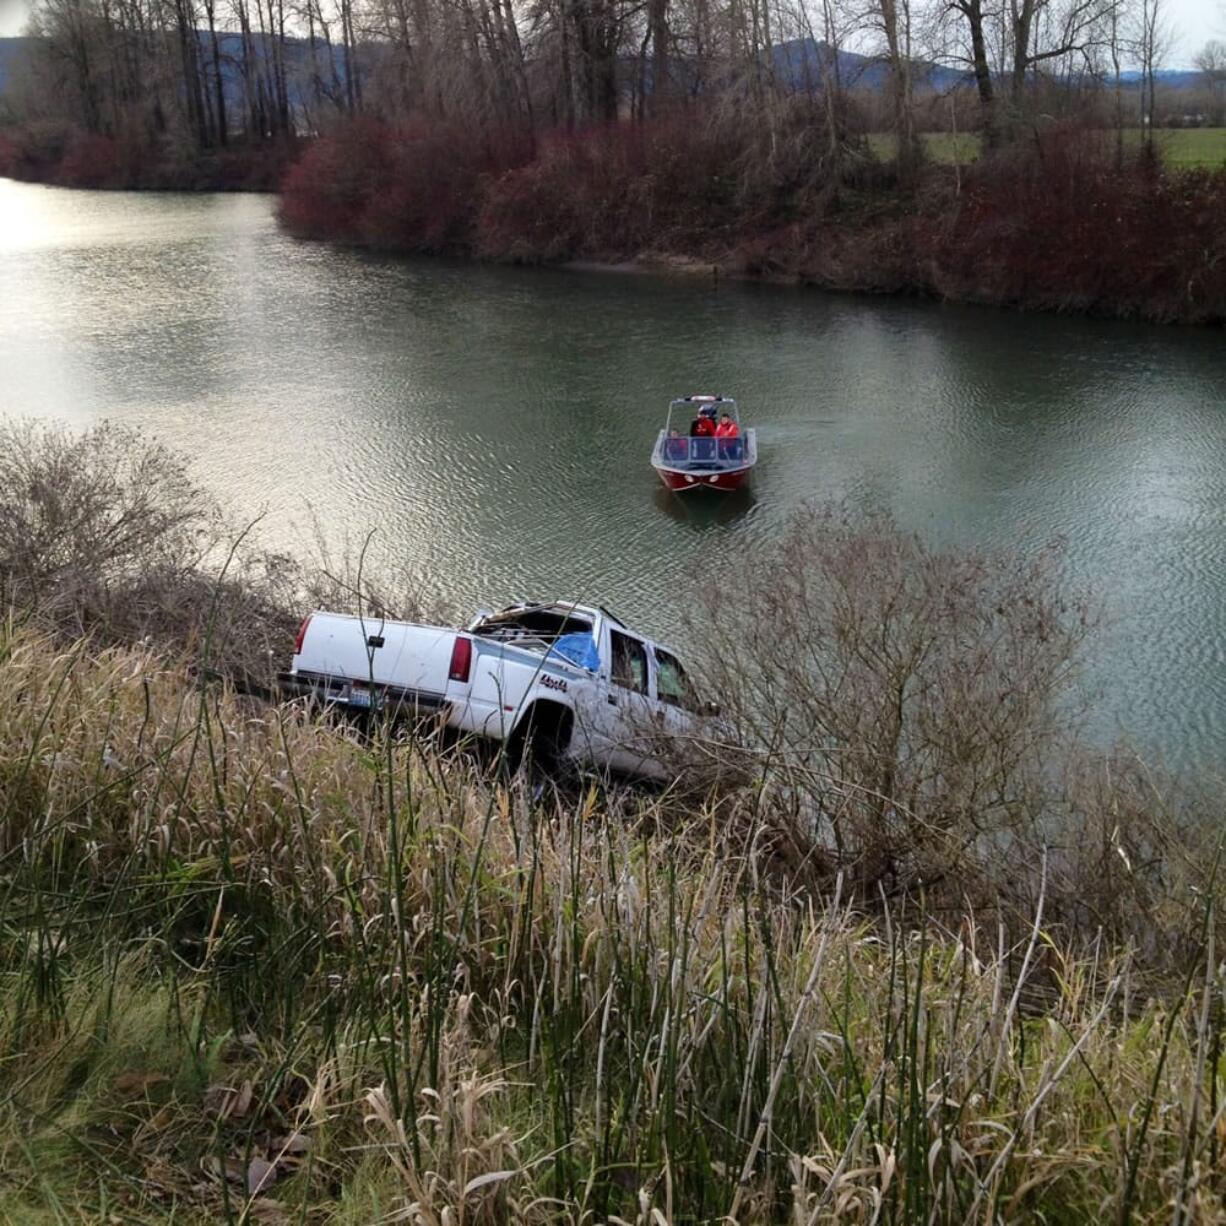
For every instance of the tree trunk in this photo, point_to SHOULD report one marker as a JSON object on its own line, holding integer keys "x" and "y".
{"x": 218, "y": 84}
{"x": 972, "y": 10}
{"x": 900, "y": 90}
{"x": 657, "y": 28}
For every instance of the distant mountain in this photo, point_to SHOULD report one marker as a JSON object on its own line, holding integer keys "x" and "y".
{"x": 805, "y": 63}
{"x": 11, "y": 49}
{"x": 802, "y": 63}
{"x": 1172, "y": 78}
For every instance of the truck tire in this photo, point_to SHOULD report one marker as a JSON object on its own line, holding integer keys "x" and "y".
{"x": 540, "y": 740}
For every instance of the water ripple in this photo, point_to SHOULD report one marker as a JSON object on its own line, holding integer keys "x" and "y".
{"x": 492, "y": 425}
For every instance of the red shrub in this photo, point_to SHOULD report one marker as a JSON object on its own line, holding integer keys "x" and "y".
{"x": 324, "y": 193}
{"x": 35, "y": 149}
{"x": 428, "y": 198}
{"x": 415, "y": 188}
{"x": 611, "y": 192}
{"x": 89, "y": 161}
{"x": 1056, "y": 227}
{"x": 1064, "y": 229}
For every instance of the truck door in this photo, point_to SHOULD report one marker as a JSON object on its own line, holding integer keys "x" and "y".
{"x": 629, "y": 704}
{"x": 677, "y": 709}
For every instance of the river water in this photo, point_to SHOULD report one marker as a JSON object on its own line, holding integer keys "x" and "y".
{"x": 494, "y": 424}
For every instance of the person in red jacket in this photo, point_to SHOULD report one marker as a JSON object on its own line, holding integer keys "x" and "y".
{"x": 703, "y": 426}
{"x": 727, "y": 428}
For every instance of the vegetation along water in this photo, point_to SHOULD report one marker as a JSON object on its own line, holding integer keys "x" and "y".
{"x": 925, "y": 923}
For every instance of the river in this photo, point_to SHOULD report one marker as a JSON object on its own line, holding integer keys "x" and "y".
{"x": 493, "y": 424}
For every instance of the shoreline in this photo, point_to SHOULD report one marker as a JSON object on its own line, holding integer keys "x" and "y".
{"x": 833, "y": 272}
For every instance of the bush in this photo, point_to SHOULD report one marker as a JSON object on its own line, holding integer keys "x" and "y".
{"x": 413, "y": 189}
{"x": 1059, "y": 226}
{"x": 90, "y": 161}
{"x": 36, "y": 149}
{"x": 68, "y": 156}
{"x": 914, "y": 713}
{"x": 324, "y": 194}
{"x": 607, "y": 192}
{"x": 676, "y": 184}
{"x": 8, "y": 155}
{"x": 81, "y": 515}
{"x": 103, "y": 534}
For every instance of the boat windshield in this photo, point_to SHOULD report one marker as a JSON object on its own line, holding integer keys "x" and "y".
{"x": 687, "y": 412}
{"x": 684, "y": 449}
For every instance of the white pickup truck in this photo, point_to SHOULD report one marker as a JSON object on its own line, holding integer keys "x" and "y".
{"x": 570, "y": 680}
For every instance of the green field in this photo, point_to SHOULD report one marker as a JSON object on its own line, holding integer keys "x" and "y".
{"x": 1182, "y": 147}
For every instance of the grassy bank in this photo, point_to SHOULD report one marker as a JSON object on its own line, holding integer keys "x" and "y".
{"x": 257, "y": 969}
{"x": 1178, "y": 148}
{"x": 929, "y": 960}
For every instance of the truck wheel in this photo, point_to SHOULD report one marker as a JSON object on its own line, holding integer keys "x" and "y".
{"x": 539, "y": 742}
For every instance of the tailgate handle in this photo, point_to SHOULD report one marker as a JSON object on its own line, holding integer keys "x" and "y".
{"x": 375, "y": 640}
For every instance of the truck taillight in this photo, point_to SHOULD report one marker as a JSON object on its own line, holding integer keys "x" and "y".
{"x": 306, "y": 621}
{"x": 461, "y": 659}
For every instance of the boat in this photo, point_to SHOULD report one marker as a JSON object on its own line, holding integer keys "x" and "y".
{"x": 687, "y": 462}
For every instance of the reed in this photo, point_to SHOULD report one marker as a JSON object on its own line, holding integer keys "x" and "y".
{"x": 259, "y": 968}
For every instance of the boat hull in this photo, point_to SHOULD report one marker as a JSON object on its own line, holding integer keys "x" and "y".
{"x": 726, "y": 481}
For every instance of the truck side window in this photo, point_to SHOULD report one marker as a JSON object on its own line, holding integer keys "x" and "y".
{"x": 672, "y": 685}
{"x": 629, "y": 663}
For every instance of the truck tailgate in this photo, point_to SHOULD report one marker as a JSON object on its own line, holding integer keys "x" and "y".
{"x": 394, "y": 654}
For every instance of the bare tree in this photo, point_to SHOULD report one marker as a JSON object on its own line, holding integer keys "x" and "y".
{"x": 1115, "y": 44}
{"x": 973, "y": 16}
{"x": 1211, "y": 64}
{"x": 1010, "y": 44}
{"x": 1153, "y": 42}
{"x": 894, "y": 19}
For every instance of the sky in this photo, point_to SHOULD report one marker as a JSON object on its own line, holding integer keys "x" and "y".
{"x": 12, "y": 16}
{"x": 1194, "y": 23}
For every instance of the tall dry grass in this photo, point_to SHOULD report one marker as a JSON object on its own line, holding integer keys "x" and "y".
{"x": 257, "y": 968}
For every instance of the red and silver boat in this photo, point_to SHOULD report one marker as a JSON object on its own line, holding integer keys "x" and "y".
{"x": 704, "y": 447}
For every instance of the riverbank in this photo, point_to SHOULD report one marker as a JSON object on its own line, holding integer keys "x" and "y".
{"x": 60, "y": 155}
{"x": 612, "y": 1010}
{"x": 1053, "y": 225}
{"x": 262, "y": 966}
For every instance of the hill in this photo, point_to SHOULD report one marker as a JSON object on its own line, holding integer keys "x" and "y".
{"x": 805, "y": 63}
{"x": 11, "y": 50}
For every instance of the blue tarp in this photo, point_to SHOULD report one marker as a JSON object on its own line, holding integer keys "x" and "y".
{"x": 579, "y": 649}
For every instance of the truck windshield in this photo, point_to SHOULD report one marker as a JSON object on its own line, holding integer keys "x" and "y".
{"x": 544, "y": 625}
